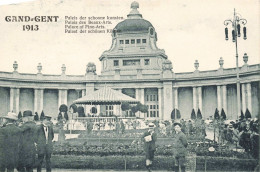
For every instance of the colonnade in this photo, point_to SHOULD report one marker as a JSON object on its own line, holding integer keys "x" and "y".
{"x": 168, "y": 98}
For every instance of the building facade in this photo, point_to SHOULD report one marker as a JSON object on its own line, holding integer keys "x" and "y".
{"x": 135, "y": 66}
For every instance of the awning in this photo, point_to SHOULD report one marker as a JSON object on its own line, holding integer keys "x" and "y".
{"x": 106, "y": 96}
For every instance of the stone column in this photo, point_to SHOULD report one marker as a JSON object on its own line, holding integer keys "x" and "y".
{"x": 63, "y": 96}
{"x": 11, "y": 99}
{"x": 243, "y": 98}
{"x": 219, "y": 98}
{"x": 249, "y": 97}
{"x": 41, "y": 100}
{"x": 200, "y": 98}
{"x": 176, "y": 105}
{"x": 17, "y": 100}
{"x": 167, "y": 97}
{"x": 224, "y": 92}
{"x": 160, "y": 103}
{"x": 194, "y": 91}
{"x": 35, "y": 100}
{"x": 83, "y": 92}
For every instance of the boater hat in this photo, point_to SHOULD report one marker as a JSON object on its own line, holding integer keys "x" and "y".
{"x": 11, "y": 115}
{"x": 151, "y": 125}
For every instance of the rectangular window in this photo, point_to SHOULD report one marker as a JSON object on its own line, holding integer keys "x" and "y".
{"x": 132, "y": 41}
{"x": 151, "y": 97}
{"x": 146, "y": 61}
{"x": 126, "y": 41}
{"x": 138, "y": 41}
{"x": 116, "y": 63}
{"x": 131, "y": 62}
{"x": 147, "y": 97}
{"x": 144, "y": 41}
{"x": 121, "y": 41}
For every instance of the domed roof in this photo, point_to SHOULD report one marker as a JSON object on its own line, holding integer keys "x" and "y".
{"x": 131, "y": 25}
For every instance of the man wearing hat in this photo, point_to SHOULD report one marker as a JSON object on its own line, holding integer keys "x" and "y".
{"x": 28, "y": 141}
{"x": 179, "y": 147}
{"x": 149, "y": 138}
{"x": 10, "y": 136}
{"x": 44, "y": 143}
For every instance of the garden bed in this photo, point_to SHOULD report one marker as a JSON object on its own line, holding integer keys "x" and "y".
{"x": 160, "y": 163}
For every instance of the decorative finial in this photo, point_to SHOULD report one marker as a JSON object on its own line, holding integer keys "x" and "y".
{"x": 134, "y": 13}
{"x": 221, "y": 62}
{"x": 39, "y": 68}
{"x": 245, "y": 58}
{"x": 196, "y": 64}
{"x": 134, "y": 5}
{"x": 15, "y": 66}
{"x": 63, "y": 68}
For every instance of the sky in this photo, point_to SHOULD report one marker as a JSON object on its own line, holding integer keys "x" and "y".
{"x": 187, "y": 30}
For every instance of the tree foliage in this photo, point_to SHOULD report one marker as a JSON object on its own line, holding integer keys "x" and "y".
{"x": 20, "y": 115}
{"x": 193, "y": 114}
{"x": 199, "y": 115}
{"x": 247, "y": 114}
{"x": 81, "y": 111}
{"x": 36, "y": 116}
{"x": 178, "y": 114}
{"x": 125, "y": 106}
{"x": 63, "y": 108}
{"x": 216, "y": 114}
{"x": 242, "y": 116}
{"x": 223, "y": 114}
{"x": 74, "y": 108}
{"x": 42, "y": 116}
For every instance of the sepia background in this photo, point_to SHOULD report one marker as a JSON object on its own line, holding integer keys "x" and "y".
{"x": 188, "y": 30}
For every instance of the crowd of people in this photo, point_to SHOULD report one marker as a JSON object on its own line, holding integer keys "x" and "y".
{"x": 24, "y": 143}
{"x": 242, "y": 133}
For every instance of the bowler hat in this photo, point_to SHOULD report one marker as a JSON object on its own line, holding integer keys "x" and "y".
{"x": 27, "y": 113}
{"x": 11, "y": 115}
{"x": 177, "y": 122}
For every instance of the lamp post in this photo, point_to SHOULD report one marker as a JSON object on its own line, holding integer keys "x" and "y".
{"x": 235, "y": 34}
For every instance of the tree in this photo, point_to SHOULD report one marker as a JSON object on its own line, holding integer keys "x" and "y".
{"x": 173, "y": 114}
{"x": 242, "y": 116}
{"x": 81, "y": 111}
{"x": 74, "y": 108}
{"x": 36, "y": 116}
{"x": 134, "y": 109}
{"x": 193, "y": 115}
{"x": 63, "y": 108}
{"x": 247, "y": 114}
{"x": 178, "y": 114}
{"x": 20, "y": 115}
{"x": 125, "y": 106}
{"x": 143, "y": 108}
{"x": 223, "y": 114}
{"x": 216, "y": 114}
{"x": 42, "y": 115}
{"x": 199, "y": 115}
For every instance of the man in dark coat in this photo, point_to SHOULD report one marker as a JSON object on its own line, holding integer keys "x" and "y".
{"x": 28, "y": 150}
{"x": 149, "y": 138}
{"x": 10, "y": 136}
{"x": 44, "y": 143}
{"x": 179, "y": 147}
